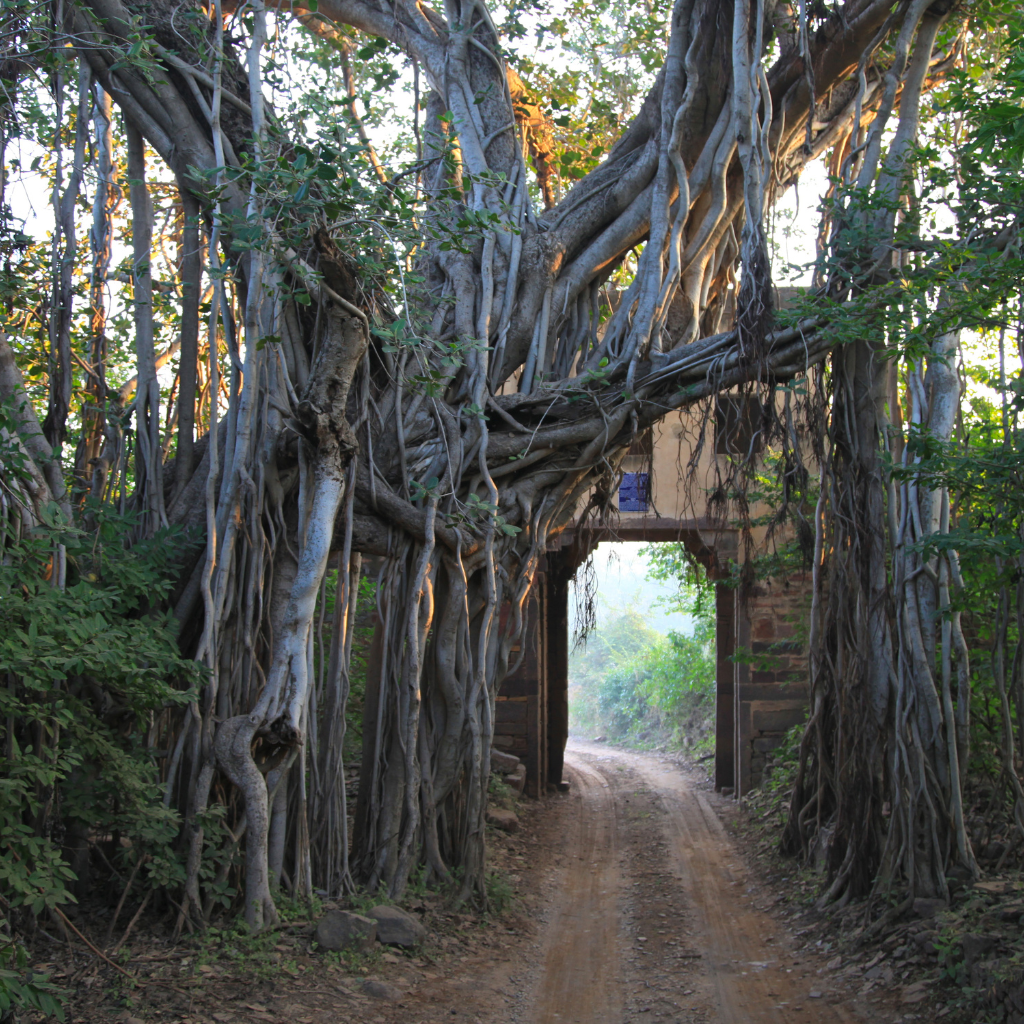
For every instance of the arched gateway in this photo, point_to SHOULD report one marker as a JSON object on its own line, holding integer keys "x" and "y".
{"x": 760, "y": 630}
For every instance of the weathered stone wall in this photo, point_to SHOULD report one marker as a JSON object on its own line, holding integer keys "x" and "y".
{"x": 771, "y": 671}
{"x": 761, "y": 671}
{"x": 520, "y": 711}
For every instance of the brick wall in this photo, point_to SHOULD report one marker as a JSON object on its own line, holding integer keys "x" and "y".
{"x": 520, "y": 713}
{"x": 761, "y": 678}
{"x": 771, "y": 682}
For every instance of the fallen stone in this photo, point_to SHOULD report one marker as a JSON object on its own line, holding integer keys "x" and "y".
{"x": 976, "y": 946}
{"x": 914, "y": 993}
{"x": 928, "y": 908}
{"x": 1011, "y": 911}
{"x": 835, "y": 963}
{"x": 994, "y": 851}
{"x": 517, "y": 780}
{"x": 341, "y": 929}
{"x": 503, "y": 819}
{"x": 379, "y": 989}
{"x": 504, "y": 763}
{"x": 396, "y": 927}
{"x": 600, "y": 739}
{"x": 994, "y": 886}
{"x": 814, "y": 994}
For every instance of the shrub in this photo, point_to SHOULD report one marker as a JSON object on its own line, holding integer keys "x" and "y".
{"x": 637, "y": 685}
{"x": 87, "y": 670}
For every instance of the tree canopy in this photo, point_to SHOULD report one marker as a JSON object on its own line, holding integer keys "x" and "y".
{"x": 348, "y": 278}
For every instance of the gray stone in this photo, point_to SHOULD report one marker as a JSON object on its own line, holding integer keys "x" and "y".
{"x": 927, "y": 908}
{"x": 976, "y": 946}
{"x": 503, "y": 763}
{"x": 341, "y": 929}
{"x": 1011, "y": 911}
{"x": 994, "y": 886}
{"x": 379, "y": 989}
{"x": 500, "y": 818}
{"x": 396, "y": 927}
{"x": 915, "y": 993}
{"x": 517, "y": 780}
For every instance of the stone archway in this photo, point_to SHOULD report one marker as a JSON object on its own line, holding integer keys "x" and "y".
{"x": 761, "y": 663}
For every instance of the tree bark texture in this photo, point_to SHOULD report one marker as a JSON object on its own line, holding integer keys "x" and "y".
{"x": 500, "y": 415}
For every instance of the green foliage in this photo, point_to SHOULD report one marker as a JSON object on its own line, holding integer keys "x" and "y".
{"x": 639, "y": 686}
{"x": 257, "y": 954}
{"x": 25, "y": 989}
{"x": 499, "y": 792}
{"x": 589, "y": 68}
{"x": 362, "y": 636}
{"x": 672, "y": 563}
{"x": 251, "y": 953}
{"x": 771, "y": 799}
{"x": 500, "y": 892}
{"x": 88, "y": 670}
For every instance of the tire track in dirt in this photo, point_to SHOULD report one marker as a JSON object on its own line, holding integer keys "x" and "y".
{"x": 750, "y": 984}
{"x": 580, "y": 980}
{"x": 739, "y": 978}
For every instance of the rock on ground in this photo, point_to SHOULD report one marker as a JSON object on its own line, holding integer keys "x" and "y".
{"x": 379, "y": 989}
{"x": 504, "y": 763}
{"x": 517, "y": 780}
{"x": 396, "y": 927}
{"x": 928, "y": 908}
{"x": 341, "y": 929}
{"x": 500, "y": 818}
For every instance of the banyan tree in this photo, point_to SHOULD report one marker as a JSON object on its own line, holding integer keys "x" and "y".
{"x": 442, "y": 367}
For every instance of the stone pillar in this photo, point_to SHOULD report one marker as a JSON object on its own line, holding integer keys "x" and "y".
{"x": 725, "y": 644}
{"x": 557, "y": 642}
{"x": 520, "y": 714}
{"x": 771, "y": 684}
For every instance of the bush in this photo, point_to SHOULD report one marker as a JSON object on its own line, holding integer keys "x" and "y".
{"x": 87, "y": 671}
{"x": 636, "y": 685}
{"x": 22, "y": 988}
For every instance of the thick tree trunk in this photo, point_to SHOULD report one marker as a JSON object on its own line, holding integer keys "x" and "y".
{"x": 497, "y": 411}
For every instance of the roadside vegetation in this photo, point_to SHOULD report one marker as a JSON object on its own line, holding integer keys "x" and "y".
{"x": 634, "y": 685}
{"x": 243, "y": 348}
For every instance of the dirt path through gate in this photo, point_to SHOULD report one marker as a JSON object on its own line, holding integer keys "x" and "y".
{"x": 656, "y": 917}
{"x": 634, "y": 906}
{"x": 581, "y": 978}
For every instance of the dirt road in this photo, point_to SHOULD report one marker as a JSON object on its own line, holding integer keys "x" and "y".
{"x": 633, "y": 905}
{"x": 653, "y": 917}
{"x": 581, "y": 979}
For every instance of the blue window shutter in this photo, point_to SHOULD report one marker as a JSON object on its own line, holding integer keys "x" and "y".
{"x": 634, "y": 492}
